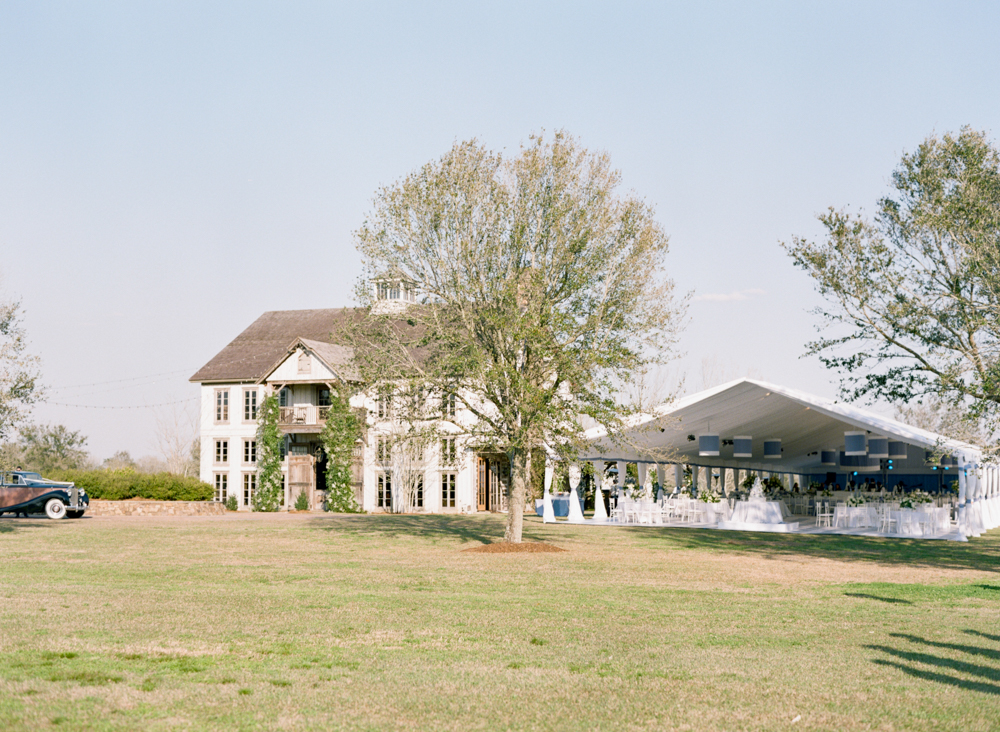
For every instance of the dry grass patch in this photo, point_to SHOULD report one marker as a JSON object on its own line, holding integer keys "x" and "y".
{"x": 384, "y": 622}
{"x": 505, "y": 547}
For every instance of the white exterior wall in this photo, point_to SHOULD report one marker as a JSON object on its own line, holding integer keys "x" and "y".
{"x": 236, "y": 431}
{"x": 464, "y": 469}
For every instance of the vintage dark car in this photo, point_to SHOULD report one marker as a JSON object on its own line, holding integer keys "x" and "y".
{"x": 22, "y": 492}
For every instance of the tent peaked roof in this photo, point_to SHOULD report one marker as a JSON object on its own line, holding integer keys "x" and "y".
{"x": 805, "y": 424}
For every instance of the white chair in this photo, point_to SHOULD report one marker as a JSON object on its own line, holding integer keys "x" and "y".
{"x": 885, "y": 519}
{"x": 823, "y": 515}
{"x": 841, "y": 512}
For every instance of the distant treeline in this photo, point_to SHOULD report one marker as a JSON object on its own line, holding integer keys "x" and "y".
{"x": 119, "y": 485}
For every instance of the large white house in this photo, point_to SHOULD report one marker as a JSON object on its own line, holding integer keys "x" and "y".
{"x": 292, "y": 353}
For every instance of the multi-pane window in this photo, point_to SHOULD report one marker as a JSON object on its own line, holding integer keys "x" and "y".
{"x": 385, "y": 404}
{"x": 222, "y": 405}
{"x": 418, "y": 493}
{"x": 448, "y": 481}
{"x": 384, "y": 491}
{"x": 448, "y": 405}
{"x": 221, "y": 451}
{"x": 383, "y": 450}
{"x": 449, "y": 452}
{"x": 323, "y": 399}
{"x": 250, "y": 452}
{"x": 249, "y": 487}
{"x": 221, "y": 487}
{"x": 250, "y": 405}
{"x": 284, "y": 397}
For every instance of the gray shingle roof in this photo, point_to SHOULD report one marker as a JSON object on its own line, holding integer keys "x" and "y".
{"x": 255, "y": 351}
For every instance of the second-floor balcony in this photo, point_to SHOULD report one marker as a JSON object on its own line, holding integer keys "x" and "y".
{"x": 302, "y": 417}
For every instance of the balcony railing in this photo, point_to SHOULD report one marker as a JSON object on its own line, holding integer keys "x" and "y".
{"x": 303, "y": 414}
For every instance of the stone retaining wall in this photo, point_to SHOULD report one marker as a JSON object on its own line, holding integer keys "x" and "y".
{"x": 155, "y": 508}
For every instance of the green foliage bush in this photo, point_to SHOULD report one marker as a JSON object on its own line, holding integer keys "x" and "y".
{"x": 119, "y": 485}
{"x": 302, "y": 502}
{"x": 231, "y": 503}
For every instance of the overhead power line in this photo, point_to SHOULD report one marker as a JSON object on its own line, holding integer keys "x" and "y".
{"x": 140, "y": 406}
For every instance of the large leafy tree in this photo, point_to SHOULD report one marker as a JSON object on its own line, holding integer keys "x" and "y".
{"x": 913, "y": 293}
{"x": 52, "y": 447}
{"x": 543, "y": 295}
{"x": 19, "y": 384}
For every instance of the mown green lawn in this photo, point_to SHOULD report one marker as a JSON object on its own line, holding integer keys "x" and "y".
{"x": 381, "y": 622}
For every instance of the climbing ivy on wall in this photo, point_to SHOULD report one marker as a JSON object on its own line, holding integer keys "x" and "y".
{"x": 340, "y": 434}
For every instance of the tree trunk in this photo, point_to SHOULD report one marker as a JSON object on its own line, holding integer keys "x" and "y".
{"x": 519, "y": 465}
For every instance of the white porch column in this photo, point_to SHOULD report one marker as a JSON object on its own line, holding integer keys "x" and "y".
{"x": 695, "y": 474}
{"x": 962, "y": 508}
{"x": 575, "y": 509}
{"x": 600, "y": 513}
{"x": 622, "y": 471}
{"x": 975, "y": 505}
{"x": 661, "y": 478}
{"x": 642, "y": 469}
{"x": 548, "y": 515}
{"x": 678, "y": 476}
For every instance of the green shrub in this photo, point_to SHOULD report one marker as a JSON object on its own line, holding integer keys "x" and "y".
{"x": 231, "y": 503}
{"x": 302, "y": 502}
{"x": 120, "y": 485}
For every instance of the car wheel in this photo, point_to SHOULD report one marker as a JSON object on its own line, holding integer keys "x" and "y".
{"x": 74, "y": 514}
{"x": 55, "y": 508}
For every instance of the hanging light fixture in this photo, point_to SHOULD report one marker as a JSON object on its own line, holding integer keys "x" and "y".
{"x": 828, "y": 457}
{"x": 708, "y": 445}
{"x": 854, "y": 444}
{"x": 897, "y": 450}
{"x": 860, "y": 463}
{"x": 878, "y": 447}
{"x": 772, "y": 448}
{"x": 742, "y": 446}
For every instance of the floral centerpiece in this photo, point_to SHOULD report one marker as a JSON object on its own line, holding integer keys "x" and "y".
{"x": 856, "y": 501}
{"x": 814, "y": 487}
{"x": 709, "y": 497}
{"x": 775, "y": 484}
{"x": 915, "y": 499}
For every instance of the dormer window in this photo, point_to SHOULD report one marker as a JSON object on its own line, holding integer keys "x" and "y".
{"x": 305, "y": 363}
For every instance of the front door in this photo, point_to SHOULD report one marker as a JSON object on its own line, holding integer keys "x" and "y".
{"x": 492, "y": 476}
{"x": 301, "y": 478}
{"x": 482, "y": 483}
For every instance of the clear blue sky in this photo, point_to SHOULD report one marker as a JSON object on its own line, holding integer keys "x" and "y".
{"x": 168, "y": 171}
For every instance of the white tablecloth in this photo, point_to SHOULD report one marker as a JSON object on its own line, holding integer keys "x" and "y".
{"x": 919, "y": 522}
{"x": 855, "y": 516}
{"x": 757, "y": 512}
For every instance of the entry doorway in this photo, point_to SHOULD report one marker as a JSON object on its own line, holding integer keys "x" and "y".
{"x": 492, "y": 480}
{"x": 301, "y": 478}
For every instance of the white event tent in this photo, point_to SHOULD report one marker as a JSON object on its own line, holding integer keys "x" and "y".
{"x": 749, "y": 425}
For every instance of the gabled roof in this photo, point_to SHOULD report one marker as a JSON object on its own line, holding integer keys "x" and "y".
{"x": 805, "y": 423}
{"x": 339, "y": 359}
{"x": 254, "y": 351}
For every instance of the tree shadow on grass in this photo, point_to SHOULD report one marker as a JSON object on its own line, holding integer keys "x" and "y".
{"x": 909, "y": 662}
{"x": 894, "y": 600}
{"x": 9, "y": 524}
{"x": 478, "y": 528}
{"x": 987, "y": 636}
{"x": 982, "y": 554}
